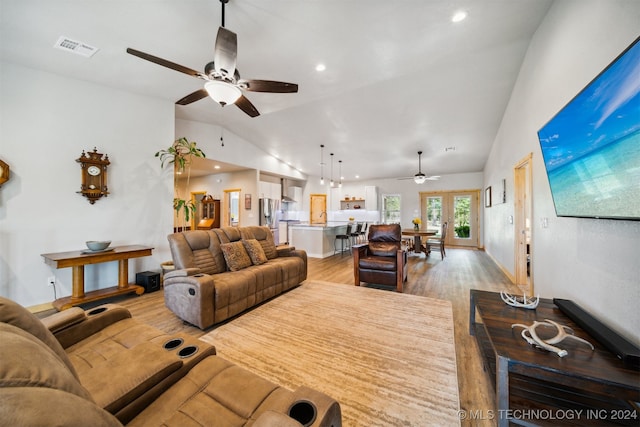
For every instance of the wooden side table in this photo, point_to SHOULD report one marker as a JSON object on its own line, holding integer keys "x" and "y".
{"x": 78, "y": 259}
{"x": 536, "y": 387}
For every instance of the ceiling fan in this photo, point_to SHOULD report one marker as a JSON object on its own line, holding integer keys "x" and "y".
{"x": 420, "y": 178}
{"x": 223, "y": 82}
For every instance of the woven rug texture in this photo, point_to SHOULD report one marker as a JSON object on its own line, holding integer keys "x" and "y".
{"x": 388, "y": 358}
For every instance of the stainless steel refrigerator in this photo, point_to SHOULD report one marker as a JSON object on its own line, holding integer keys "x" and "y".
{"x": 269, "y": 212}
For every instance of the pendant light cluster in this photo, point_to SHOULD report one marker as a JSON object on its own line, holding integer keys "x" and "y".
{"x": 331, "y": 181}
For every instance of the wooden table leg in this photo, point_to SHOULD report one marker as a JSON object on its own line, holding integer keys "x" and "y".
{"x": 77, "y": 281}
{"x": 123, "y": 273}
{"x": 417, "y": 244}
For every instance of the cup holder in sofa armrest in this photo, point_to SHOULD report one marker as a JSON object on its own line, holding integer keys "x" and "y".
{"x": 96, "y": 310}
{"x": 173, "y": 344}
{"x": 303, "y": 412}
{"x": 188, "y": 351}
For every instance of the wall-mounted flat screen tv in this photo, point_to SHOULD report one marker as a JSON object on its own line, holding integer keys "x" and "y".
{"x": 591, "y": 147}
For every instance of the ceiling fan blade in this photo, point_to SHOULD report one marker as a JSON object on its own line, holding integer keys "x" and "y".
{"x": 433, "y": 178}
{"x": 268, "y": 86}
{"x": 165, "y": 63}
{"x": 245, "y": 105}
{"x": 224, "y": 54}
{"x": 193, "y": 97}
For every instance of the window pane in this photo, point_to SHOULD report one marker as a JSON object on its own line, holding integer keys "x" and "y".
{"x": 390, "y": 208}
{"x": 462, "y": 212}
{"x": 434, "y": 213}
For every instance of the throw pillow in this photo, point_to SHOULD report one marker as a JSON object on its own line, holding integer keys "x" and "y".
{"x": 235, "y": 255}
{"x": 255, "y": 251}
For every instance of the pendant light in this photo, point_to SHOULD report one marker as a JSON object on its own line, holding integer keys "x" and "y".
{"x": 331, "y": 177}
{"x": 321, "y": 164}
{"x": 340, "y": 173}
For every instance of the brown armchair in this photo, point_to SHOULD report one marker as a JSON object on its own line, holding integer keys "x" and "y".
{"x": 382, "y": 260}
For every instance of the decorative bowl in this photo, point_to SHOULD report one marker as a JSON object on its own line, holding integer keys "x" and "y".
{"x": 98, "y": 245}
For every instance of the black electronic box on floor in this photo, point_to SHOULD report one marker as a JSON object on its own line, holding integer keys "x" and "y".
{"x": 149, "y": 280}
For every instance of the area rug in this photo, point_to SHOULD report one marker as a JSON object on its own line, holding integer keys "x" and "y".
{"x": 388, "y": 358}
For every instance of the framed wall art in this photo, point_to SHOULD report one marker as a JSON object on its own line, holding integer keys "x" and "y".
{"x": 487, "y": 197}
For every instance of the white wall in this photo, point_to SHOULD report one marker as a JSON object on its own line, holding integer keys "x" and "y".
{"x": 46, "y": 123}
{"x": 593, "y": 262}
{"x": 235, "y": 151}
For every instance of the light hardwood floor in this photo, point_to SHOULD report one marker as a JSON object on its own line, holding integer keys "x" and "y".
{"x": 451, "y": 279}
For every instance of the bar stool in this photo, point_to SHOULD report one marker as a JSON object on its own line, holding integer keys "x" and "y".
{"x": 345, "y": 239}
{"x": 356, "y": 234}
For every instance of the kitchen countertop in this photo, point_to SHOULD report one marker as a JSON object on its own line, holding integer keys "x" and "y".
{"x": 327, "y": 226}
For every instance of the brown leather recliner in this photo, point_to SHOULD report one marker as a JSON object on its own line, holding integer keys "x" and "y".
{"x": 381, "y": 261}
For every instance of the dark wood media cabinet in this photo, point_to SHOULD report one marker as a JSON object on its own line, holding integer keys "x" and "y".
{"x": 536, "y": 387}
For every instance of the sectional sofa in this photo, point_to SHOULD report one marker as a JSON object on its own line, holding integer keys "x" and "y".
{"x": 103, "y": 368}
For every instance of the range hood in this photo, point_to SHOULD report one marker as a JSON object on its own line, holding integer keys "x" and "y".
{"x": 283, "y": 197}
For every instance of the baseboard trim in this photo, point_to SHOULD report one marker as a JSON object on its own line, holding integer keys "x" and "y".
{"x": 506, "y": 272}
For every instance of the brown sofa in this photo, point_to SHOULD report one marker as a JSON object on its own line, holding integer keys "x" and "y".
{"x": 103, "y": 368}
{"x": 222, "y": 272}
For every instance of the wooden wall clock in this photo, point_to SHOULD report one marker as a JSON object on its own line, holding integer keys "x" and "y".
{"x": 94, "y": 175}
{"x": 5, "y": 173}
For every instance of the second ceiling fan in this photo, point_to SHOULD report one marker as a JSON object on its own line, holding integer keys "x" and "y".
{"x": 420, "y": 178}
{"x": 223, "y": 82}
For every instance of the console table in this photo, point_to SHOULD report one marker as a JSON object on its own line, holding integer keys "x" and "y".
{"x": 536, "y": 387}
{"x": 78, "y": 259}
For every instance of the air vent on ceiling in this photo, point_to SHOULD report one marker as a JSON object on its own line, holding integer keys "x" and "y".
{"x": 65, "y": 43}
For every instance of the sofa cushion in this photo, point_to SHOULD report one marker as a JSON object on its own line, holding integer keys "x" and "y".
{"x": 197, "y": 249}
{"x": 265, "y": 237}
{"x": 16, "y": 315}
{"x": 28, "y": 362}
{"x": 235, "y": 255}
{"x": 116, "y": 382}
{"x": 255, "y": 251}
{"x": 215, "y": 386}
{"x": 388, "y": 249}
{"x": 41, "y": 406}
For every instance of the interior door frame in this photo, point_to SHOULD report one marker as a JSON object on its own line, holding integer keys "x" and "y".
{"x": 523, "y": 223}
{"x": 197, "y": 215}
{"x": 226, "y": 208}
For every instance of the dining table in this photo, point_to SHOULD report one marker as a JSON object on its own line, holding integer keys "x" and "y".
{"x": 417, "y": 239}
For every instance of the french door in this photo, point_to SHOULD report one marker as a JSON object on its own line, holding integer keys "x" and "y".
{"x": 459, "y": 209}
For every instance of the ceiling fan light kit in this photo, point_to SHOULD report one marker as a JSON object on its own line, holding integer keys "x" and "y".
{"x": 221, "y": 92}
{"x": 223, "y": 83}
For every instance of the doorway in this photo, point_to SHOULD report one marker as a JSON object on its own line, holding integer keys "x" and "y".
{"x": 318, "y": 211}
{"x": 523, "y": 210}
{"x": 196, "y": 200}
{"x": 231, "y": 209}
{"x": 459, "y": 209}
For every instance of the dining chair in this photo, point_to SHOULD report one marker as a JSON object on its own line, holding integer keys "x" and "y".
{"x": 437, "y": 242}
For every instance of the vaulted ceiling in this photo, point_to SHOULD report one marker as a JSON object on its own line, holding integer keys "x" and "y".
{"x": 400, "y": 75}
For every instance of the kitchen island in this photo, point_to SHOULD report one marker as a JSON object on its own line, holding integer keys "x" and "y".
{"x": 316, "y": 239}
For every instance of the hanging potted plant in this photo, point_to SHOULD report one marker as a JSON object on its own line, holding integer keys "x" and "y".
{"x": 180, "y": 154}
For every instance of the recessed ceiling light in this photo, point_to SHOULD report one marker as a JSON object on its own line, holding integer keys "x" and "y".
{"x": 459, "y": 16}
{"x": 216, "y": 167}
{"x": 320, "y": 67}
